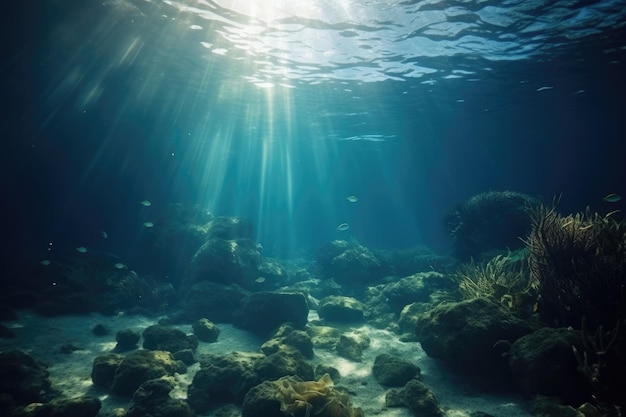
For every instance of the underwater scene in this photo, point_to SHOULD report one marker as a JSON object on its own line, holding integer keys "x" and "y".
{"x": 313, "y": 208}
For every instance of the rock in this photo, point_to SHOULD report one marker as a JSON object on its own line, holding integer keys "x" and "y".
{"x": 100, "y": 330}
{"x": 264, "y": 312}
{"x": 127, "y": 339}
{"x": 351, "y": 345}
{"x": 489, "y": 221}
{"x": 286, "y": 338}
{"x": 467, "y": 336}
{"x": 216, "y": 302}
{"x": 186, "y": 356}
{"x": 223, "y": 379}
{"x": 284, "y": 363}
{"x": 224, "y": 261}
{"x": 206, "y": 330}
{"x": 85, "y": 406}
{"x": 261, "y": 401}
{"x": 393, "y": 371}
{"x": 152, "y": 399}
{"x": 414, "y": 288}
{"x": 140, "y": 366}
{"x": 341, "y": 309}
{"x": 323, "y": 337}
{"x": 171, "y": 339}
{"x": 410, "y": 315}
{"x": 542, "y": 406}
{"x": 543, "y": 363}
{"x": 417, "y": 397}
{"x": 103, "y": 369}
{"x": 321, "y": 369}
{"x": 350, "y": 263}
{"x": 23, "y": 378}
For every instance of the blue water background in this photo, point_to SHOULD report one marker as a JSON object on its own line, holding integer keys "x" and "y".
{"x": 280, "y": 114}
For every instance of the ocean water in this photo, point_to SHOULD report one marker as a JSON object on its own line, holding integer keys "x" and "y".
{"x": 279, "y": 111}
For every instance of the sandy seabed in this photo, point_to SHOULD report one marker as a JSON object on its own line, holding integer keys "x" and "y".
{"x": 42, "y": 338}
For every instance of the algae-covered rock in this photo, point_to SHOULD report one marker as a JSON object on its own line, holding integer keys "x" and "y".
{"x": 286, "y": 338}
{"x": 171, "y": 339}
{"x": 103, "y": 369}
{"x": 223, "y": 379}
{"x": 127, "y": 339}
{"x": 350, "y": 263}
{"x": 224, "y": 261}
{"x": 85, "y": 406}
{"x": 468, "y": 336}
{"x": 23, "y": 378}
{"x": 283, "y": 363}
{"x": 152, "y": 399}
{"x": 206, "y": 330}
{"x": 216, "y": 302}
{"x": 141, "y": 366}
{"x": 543, "y": 363}
{"x": 394, "y": 372}
{"x": 341, "y": 309}
{"x": 264, "y": 312}
{"x": 417, "y": 397}
{"x": 352, "y": 344}
{"x": 262, "y": 400}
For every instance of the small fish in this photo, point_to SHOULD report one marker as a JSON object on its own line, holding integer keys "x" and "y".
{"x": 45, "y": 262}
{"x": 609, "y": 214}
{"x": 343, "y": 226}
{"x": 81, "y": 249}
{"x": 146, "y": 203}
{"x": 260, "y": 280}
{"x": 104, "y": 234}
{"x": 544, "y": 88}
{"x": 148, "y": 224}
{"x": 612, "y": 198}
{"x": 352, "y": 198}
{"x": 119, "y": 265}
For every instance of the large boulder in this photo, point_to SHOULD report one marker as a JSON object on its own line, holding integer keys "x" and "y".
{"x": 171, "y": 339}
{"x": 392, "y": 371}
{"x": 224, "y": 261}
{"x": 264, "y": 312}
{"x": 216, "y": 302}
{"x": 471, "y": 337}
{"x": 85, "y": 406}
{"x": 341, "y": 309}
{"x": 139, "y": 367}
{"x": 543, "y": 363}
{"x": 350, "y": 263}
{"x": 487, "y": 222}
{"x": 23, "y": 378}
{"x": 414, "y": 288}
{"x": 223, "y": 379}
{"x": 153, "y": 399}
{"x": 417, "y": 397}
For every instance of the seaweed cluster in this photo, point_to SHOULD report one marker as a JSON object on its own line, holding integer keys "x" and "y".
{"x": 579, "y": 262}
{"x": 504, "y": 279}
